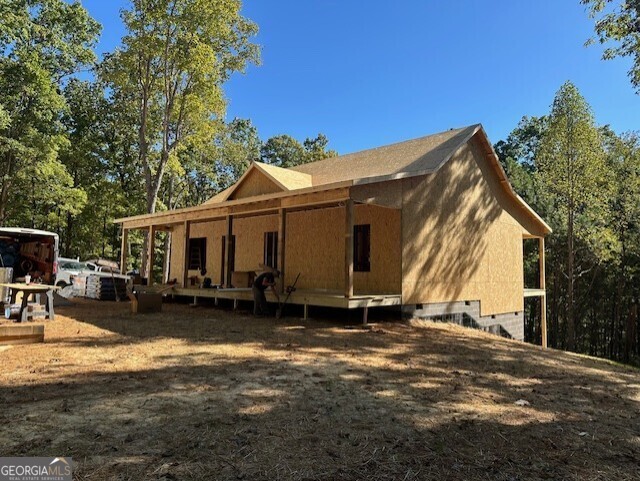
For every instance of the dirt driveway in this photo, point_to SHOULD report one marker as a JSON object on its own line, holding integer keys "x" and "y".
{"x": 200, "y": 394}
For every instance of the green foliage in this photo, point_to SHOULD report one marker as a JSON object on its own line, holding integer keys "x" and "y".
{"x": 585, "y": 182}
{"x": 41, "y": 42}
{"x": 518, "y": 154}
{"x": 618, "y": 23}
{"x": 285, "y": 151}
{"x": 238, "y": 146}
{"x": 46, "y": 195}
{"x": 573, "y": 170}
{"x": 623, "y": 160}
{"x": 88, "y": 157}
{"x": 173, "y": 62}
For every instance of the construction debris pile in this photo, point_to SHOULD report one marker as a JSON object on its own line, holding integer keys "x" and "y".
{"x": 100, "y": 287}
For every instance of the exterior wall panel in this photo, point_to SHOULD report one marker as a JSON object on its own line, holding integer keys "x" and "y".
{"x": 315, "y": 249}
{"x": 460, "y": 241}
{"x": 249, "y": 232}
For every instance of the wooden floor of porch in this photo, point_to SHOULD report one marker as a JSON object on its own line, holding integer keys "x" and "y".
{"x": 301, "y": 297}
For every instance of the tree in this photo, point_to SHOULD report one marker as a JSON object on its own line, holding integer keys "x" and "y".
{"x": 41, "y": 43}
{"x": 518, "y": 154}
{"x": 623, "y": 158}
{"x": 238, "y": 146}
{"x": 285, "y": 151}
{"x": 282, "y": 151}
{"x": 619, "y": 23}
{"x": 572, "y": 168}
{"x": 172, "y": 65}
{"x": 316, "y": 149}
{"x": 173, "y": 62}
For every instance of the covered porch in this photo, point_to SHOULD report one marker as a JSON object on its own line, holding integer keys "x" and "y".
{"x": 347, "y": 252}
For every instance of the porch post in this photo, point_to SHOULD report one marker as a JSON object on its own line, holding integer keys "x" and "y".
{"x": 543, "y": 298}
{"x": 152, "y": 248}
{"x": 229, "y": 248}
{"x": 348, "y": 248}
{"x": 185, "y": 236}
{"x": 123, "y": 250}
{"x": 282, "y": 232}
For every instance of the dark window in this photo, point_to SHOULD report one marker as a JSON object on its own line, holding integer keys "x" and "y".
{"x": 223, "y": 261}
{"x": 271, "y": 249}
{"x": 362, "y": 248}
{"x": 197, "y": 253}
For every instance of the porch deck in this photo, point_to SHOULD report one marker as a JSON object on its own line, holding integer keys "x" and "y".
{"x": 301, "y": 297}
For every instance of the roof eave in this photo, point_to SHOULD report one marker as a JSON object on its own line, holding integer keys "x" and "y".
{"x": 247, "y": 200}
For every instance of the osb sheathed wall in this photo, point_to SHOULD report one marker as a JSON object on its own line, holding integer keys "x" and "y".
{"x": 314, "y": 248}
{"x": 386, "y": 267}
{"x": 316, "y": 242}
{"x": 460, "y": 241}
{"x": 255, "y": 183}
{"x": 213, "y": 232}
{"x": 249, "y": 232}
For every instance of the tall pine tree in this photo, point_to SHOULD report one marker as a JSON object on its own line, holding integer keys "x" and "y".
{"x": 572, "y": 167}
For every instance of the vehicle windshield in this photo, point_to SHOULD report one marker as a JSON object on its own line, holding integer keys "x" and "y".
{"x": 74, "y": 266}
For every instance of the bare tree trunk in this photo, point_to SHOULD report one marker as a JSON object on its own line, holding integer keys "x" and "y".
{"x": 104, "y": 234}
{"x": 631, "y": 333}
{"x": 571, "y": 322}
{"x": 167, "y": 239}
{"x": 554, "y": 309}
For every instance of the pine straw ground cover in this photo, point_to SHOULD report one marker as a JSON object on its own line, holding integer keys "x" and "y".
{"x": 200, "y": 394}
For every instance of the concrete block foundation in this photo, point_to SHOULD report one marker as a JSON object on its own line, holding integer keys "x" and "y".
{"x": 467, "y": 313}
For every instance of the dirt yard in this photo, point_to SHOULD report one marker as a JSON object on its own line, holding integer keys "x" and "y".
{"x": 206, "y": 394}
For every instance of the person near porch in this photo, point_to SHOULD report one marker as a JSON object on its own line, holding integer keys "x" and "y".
{"x": 264, "y": 280}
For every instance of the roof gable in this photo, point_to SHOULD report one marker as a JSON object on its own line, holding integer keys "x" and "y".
{"x": 263, "y": 179}
{"x": 254, "y": 182}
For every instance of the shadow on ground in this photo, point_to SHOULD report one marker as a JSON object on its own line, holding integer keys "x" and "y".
{"x": 207, "y": 394}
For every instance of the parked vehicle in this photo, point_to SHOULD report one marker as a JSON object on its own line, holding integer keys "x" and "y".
{"x": 103, "y": 265}
{"x": 73, "y": 272}
{"x": 68, "y": 269}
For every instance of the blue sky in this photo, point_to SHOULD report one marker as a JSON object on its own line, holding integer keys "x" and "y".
{"x": 371, "y": 73}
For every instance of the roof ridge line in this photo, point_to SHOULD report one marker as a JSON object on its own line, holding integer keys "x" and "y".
{"x": 380, "y": 147}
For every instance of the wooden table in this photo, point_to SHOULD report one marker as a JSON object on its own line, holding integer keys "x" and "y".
{"x": 31, "y": 290}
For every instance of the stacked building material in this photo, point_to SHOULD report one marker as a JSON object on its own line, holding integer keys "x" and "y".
{"x": 105, "y": 288}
